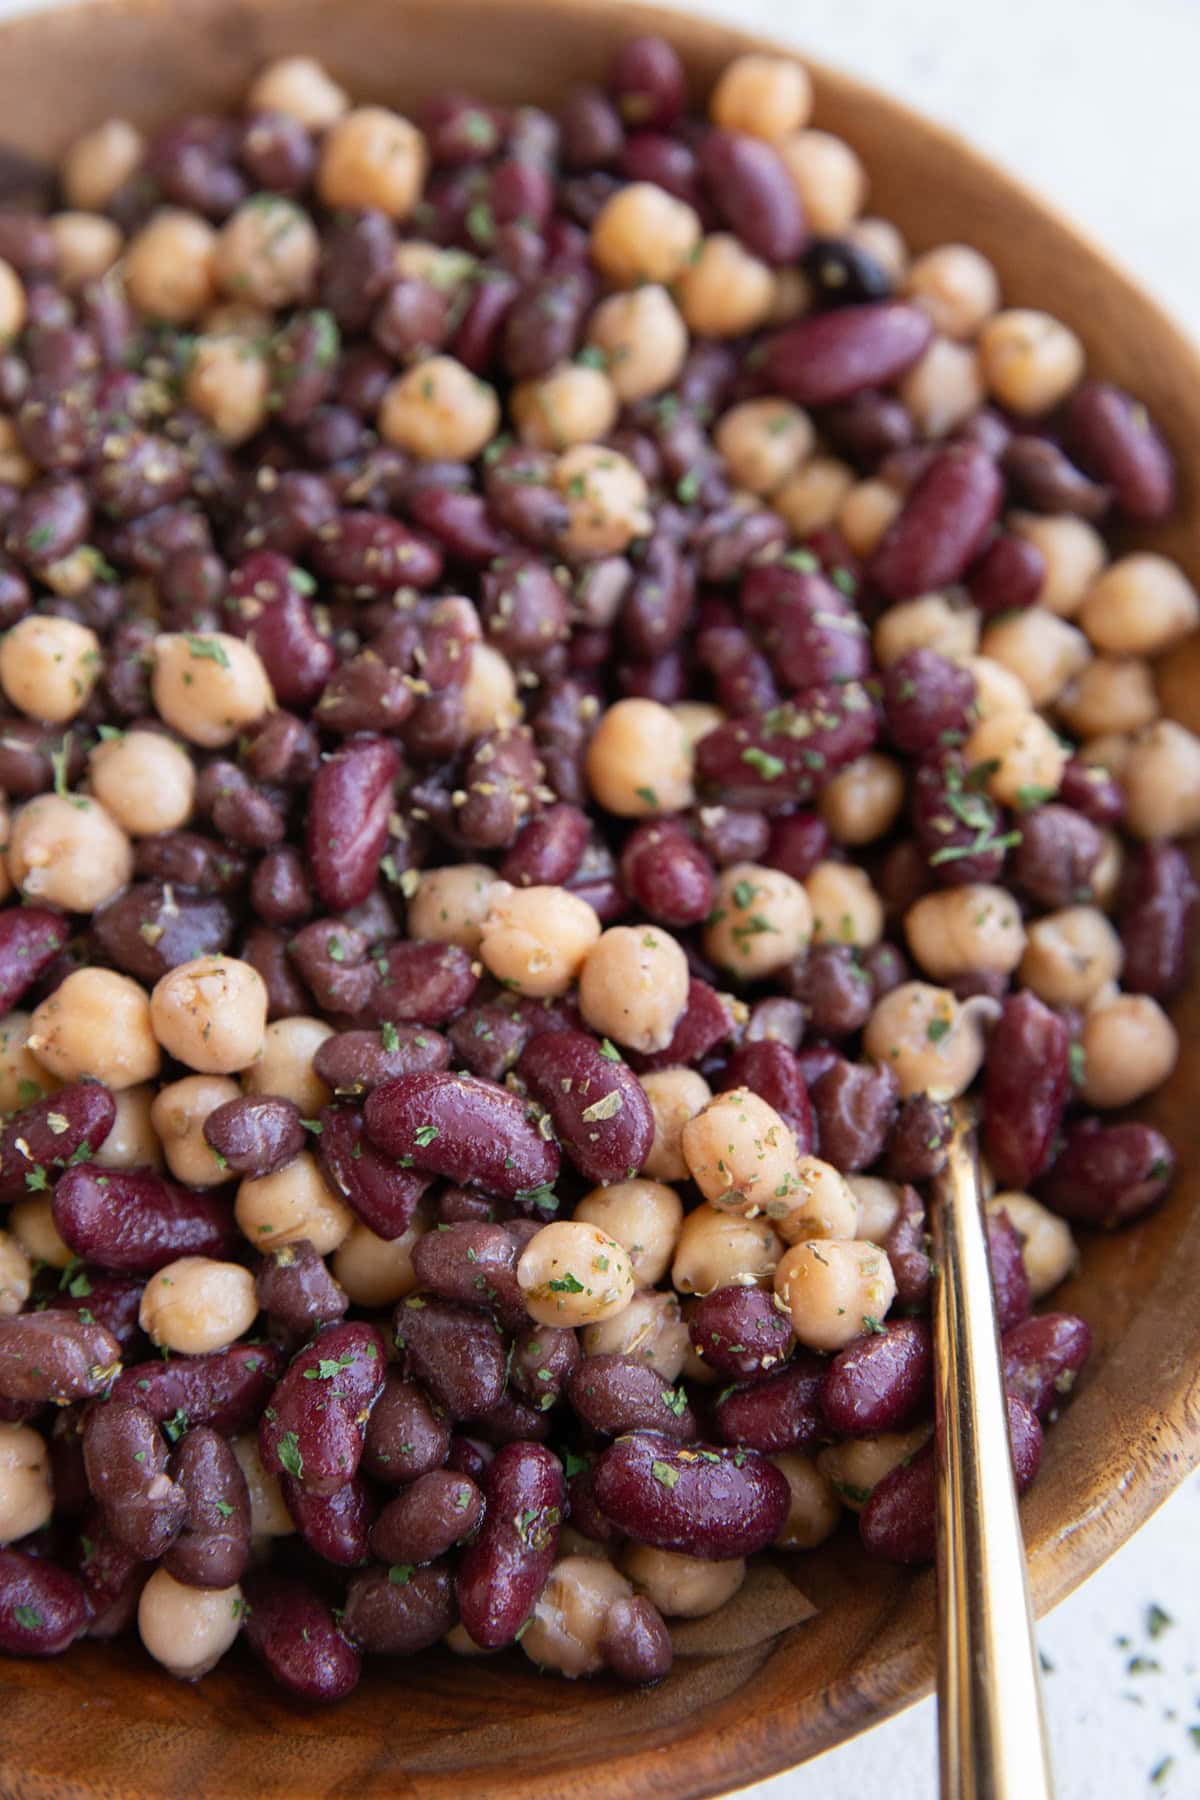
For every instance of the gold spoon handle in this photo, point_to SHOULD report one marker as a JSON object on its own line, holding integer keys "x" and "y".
{"x": 991, "y": 1728}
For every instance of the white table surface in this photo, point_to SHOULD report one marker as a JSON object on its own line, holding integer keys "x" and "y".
{"x": 1094, "y": 102}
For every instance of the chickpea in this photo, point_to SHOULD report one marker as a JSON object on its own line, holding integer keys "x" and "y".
{"x": 764, "y": 441}
{"x": 931, "y": 622}
{"x": 228, "y": 383}
{"x": 99, "y": 163}
{"x": 294, "y": 1202}
{"x": 565, "y": 1630}
{"x": 645, "y": 1219}
{"x": 764, "y": 96}
{"x": 16, "y": 469}
{"x": 884, "y": 241}
{"x": 299, "y": 87}
{"x": 1108, "y": 753}
{"x": 932, "y": 1044}
{"x": 170, "y": 267}
{"x": 829, "y": 178}
{"x": 1022, "y": 756}
{"x": 449, "y": 905}
{"x": 489, "y": 692}
{"x": 675, "y": 1096}
{"x": 574, "y": 404}
{"x": 133, "y": 1142}
{"x": 832, "y": 1289}
{"x": 188, "y": 1629}
{"x": 377, "y": 1271}
{"x": 818, "y": 1202}
{"x": 651, "y": 1328}
{"x": 863, "y": 801}
{"x": 197, "y": 1305}
{"x": 639, "y": 762}
{"x": 31, "y": 1222}
{"x": 943, "y": 388}
{"x": 177, "y": 1116}
{"x": 956, "y": 930}
{"x": 1030, "y": 360}
{"x": 722, "y": 1249}
{"x": 865, "y": 514}
{"x": 211, "y": 1014}
{"x": 26, "y": 1482}
{"x": 1140, "y": 605}
{"x": 845, "y": 907}
{"x": 13, "y": 308}
{"x": 22, "y": 1078}
{"x": 439, "y": 410}
{"x": 1071, "y": 956}
{"x": 1177, "y": 678}
{"x": 67, "y": 851}
{"x": 1039, "y": 647}
{"x": 724, "y": 291}
{"x": 144, "y": 780}
{"x": 761, "y": 921}
{"x": 878, "y": 1206}
{"x": 682, "y": 1587}
{"x": 208, "y": 687}
{"x": 815, "y": 1508}
{"x": 372, "y": 157}
{"x": 284, "y": 1065}
{"x": 96, "y": 1024}
{"x": 48, "y": 667}
{"x": 535, "y": 939}
{"x": 698, "y": 718}
{"x": 1161, "y": 779}
{"x": 16, "y": 1275}
{"x": 857, "y": 1466}
{"x": 1112, "y": 693}
{"x": 644, "y": 341}
{"x": 1130, "y": 1048}
{"x": 573, "y": 1274}
{"x": 267, "y": 253}
{"x": 997, "y": 689}
{"x": 1047, "y": 1246}
{"x": 87, "y": 245}
{"x": 740, "y": 1153}
{"x": 811, "y": 498}
{"x": 956, "y": 286}
{"x": 1074, "y": 554}
{"x": 269, "y": 1516}
{"x": 607, "y": 501}
{"x": 642, "y": 233}
{"x": 633, "y": 986}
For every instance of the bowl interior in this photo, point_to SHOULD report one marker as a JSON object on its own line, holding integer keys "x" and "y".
{"x": 103, "y": 1720}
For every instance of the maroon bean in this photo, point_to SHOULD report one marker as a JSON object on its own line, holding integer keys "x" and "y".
{"x": 812, "y": 635}
{"x": 136, "y": 1221}
{"x": 789, "y": 753}
{"x": 1106, "y": 1175}
{"x": 188, "y": 860}
{"x": 474, "y": 1263}
{"x": 834, "y": 988}
{"x": 27, "y": 242}
{"x": 658, "y": 602}
{"x": 740, "y": 1333}
{"x": 706, "y": 1021}
{"x": 126, "y": 1461}
{"x": 1118, "y": 443}
{"x": 1058, "y": 852}
{"x": 542, "y": 1361}
{"x": 870, "y": 427}
{"x": 549, "y": 849}
{"x": 770, "y": 1069}
{"x": 1010, "y": 1282}
{"x": 399, "y": 1611}
{"x": 213, "y": 1546}
{"x": 30, "y": 938}
{"x": 776, "y": 1020}
{"x": 349, "y": 804}
{"x": 942, "y": 526}
{"x": 668, "y": 877}
{"x": 379, "y": 1192}
{"x": 296, "y": 1290}
{"x": 151, "y": 927}
{"x": 458, "y": 128}
{"x": 422, "y": 983}
{"x": 714, "y": 1503}
{"x": 277, "y": 619}
{"x": 906, "y": 1245}
{"x": 1092, "y": 791}
{"x": 832, "y": 356}
{"x": 614, "y": 1394}
{"x": 26, "y": 768}
{"x": 1027, "y": 1080}
{"x": 1157, "y": 912}
{"x": 277, "y": 153}
{"x": 855, "y": 1105}
{"x": 647, "y": 81}
{"x": 469, "y": 1131}
{"x": 313, "y": 1429}
{"x": 1008, "y": 576}
{"x": 332, "y": 957}
{"x": 337, "y": 1526}
{"x": 454, "y": 1351}
{"x": 502, "y": 1572}
{"x": 797, "y": 844}
{"x": 407, "y": 1435}
{"x": 295, "y": 1635}
{"x": 499, "y": 781}
{"x": 781, "y": 1411}
{"x": 459, "y": 1206}
{"x": 959, "y": 828}
{"x": 925, "y": 696}
{"x": 109, "y": 1300}
{"x": 731, "y": 539}
{"x": 266, "y": 950}
{"x": 67, "y": 1125}
{"x": 1047, "y": 479}
{"x": 742, "y": 676}
{"x": 226, "y": 1390}
{"x": 112, "y": 1579}
{"x": 844, "y": 273}
{"x": 883, "y": 1381}
{"x": 920, "y": 1139}
{"x": 598, "y": 1107}
{"x": 358, "y": 259}
{"x": 43, "y": 1608}
{"x": 374, "y": 554}
{"x": 50, "y": 521}
{"x": 356, "y": 1062}
{"x": 635, "y": 1642}
{"x": 238, "y": 810}
{"x": 730, "y": 834}
{"x": 279, "y": 889}
{"x": 592, "y": 134}
{"x": 439, "y": 1510}
{"x": 754, "y": 194}
{"x": 55, "y": 1355}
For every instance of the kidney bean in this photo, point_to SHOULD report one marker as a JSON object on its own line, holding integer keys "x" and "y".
{"x": 834, "y": 989}
{"x": 151, "y": 927}
{"x": 1010, "y": 1283}
{"x": 474, "y": 1264}
{"x": 1047, "y": 479}
{"x": 331, "y": 956}
{"x": 807, "y": 628}
{"x": 30, "y": 938}
{"x": 313, "y": 1429}
{"x": 187, "y": 859}
{"x": 295, "y": 1635}
{"x": 742, "y": 676}
{"x": 855, "y": 1105}
{"x": 598, "y": 1107}
{"x": 1106, "y": 1175}
{"x": 798, "y": 842}
{"x": 111, "y": 1301}
{"x": 542, "y": 1360}
{"x": 730, "y": 539}
{"x": 126, "y": 1462}
{"x": 249, "y": 815}
{"x": 69, "y": 1124}
{"x": 729, "y": 834}
{"x": 439, "y": 1510}
{"x": 1092, "y": 791}
{"x": 714, "y": 1503}
{"x": 458, "y": 128}
{"x": 379, "y": 1192}
{"x": 614, "y": 1394}
{"x": 135, "y": 1221}
{"x": 1058, "y": 851}
{"x": 668, "y": 877}
{"x": 470, "y": 1131}
{"x": 925, "y": 696}
{"x": 658, "y": 601}
{"x": 740, "y": 1333}
{"x": 919, "y": 1140}
{"x": 883, "y": 1381}
{"x": 349, "y": 804}
{"x": 635, "y": 1642}
{"x": 49, "y": 521}
{"x": 502, "y": 1572}
{"x": 871, "y": 426}
{"x": 1027, "y": 1080}
{"x": 779, "y": 1411}
{"x": 549, "y": 848}
{"x": 832, "y": 356}
{"x": 356, "y": 1062}
{"x": 279, "y": 890}
{"x": 336, "y": 1526}
{"x": 753, "y": 194}
{"x": 789, "y": 753}
{"x": 213, "y": 1546}
{"x": 646, "y": 79}
{"x": 43, "y": 1608}
{"x": 296, "y": 1290}
{"x": 422, "y": 983}
{"x": 459, "y": 1206}
{"x": 942, "y": 526}
{"x": 407, "y": 1435}
{"x": 776, "y": 1020}
{"x": 282, "y": 749}
{"x": 1008, "y": 576}
{"x": 1157, "y": 912}
{"x": 55, "y": 1355}
{"x": 959, "y": 829}
{"x": 112, "y": 1579}
{"x": 399, "y": 1611}
{"x": 771, "y": 1070}
{"x": 454, "y": 1351}
{"x": 26, "y": 768}
{"x": 365, "y": 695}
{"x": 1042, "y": 1358}
{"x": 266, "y": 950}
{"x": 706, "y": 1021}
{"x": 226, "y": 1390}
{"x": 358, "y": 256}
{"x": 1120, "y": 445}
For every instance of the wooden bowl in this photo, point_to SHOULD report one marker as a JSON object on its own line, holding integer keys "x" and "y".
{"x": 104, "y": 1720}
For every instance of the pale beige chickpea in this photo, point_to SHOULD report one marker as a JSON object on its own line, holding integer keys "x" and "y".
{"x": 67, "y": 851}
{"x": 377, "y": 1271}
{"x": 169, "y": 267}
{"x": 878, "y": 1206}
{"x": 1042, "y": 649}
{"x": 489, "y": 693}
{"x": 817, "y": 1203}
{"x": 574, "y": 404}
{"x": 697, "y": 718}
{"x": 228, "y": 383}
{"x": 133, "y": 1142}
{"x": 857, "y": 1466}
{"x": 49, "y": 666}
{"x": 930, "y": 622}
{"x": 177, "y": 1115}
{"x": 675, "y": 1096}
{"x": 682, "y": 1587}
{"x": 933, "y": 1044}
{"x": 1130, "y": 1048}
{"x": 863, "y": 801}
{"x": 269, "y": 1516}
{"x": 644, "y": 342}
{"x": 237, "y": 319}
{"x": 439, "y": 410}
{"x": 1177, "y": 680}
{"x": 196, "y": 1305}
{"x": 723, "y": 1249}
{"x": 761, "y": 921}
{"x": 1030, "y": 360}
{"x": 651, "y": 1329}
{"x": 301, "y": 88}
{"x": 372, "y": 157}
{"x": 885, "y": 242}
{"x": 764, "y": 96}
{"x": 633, "y": 986}
{"x": 450, "y": 904}
{"x": 1140, "y": 605}
{"x": 724, "y": 291}
{"x": 642, "y": 233}
{"x": 740, "y": 1153}
{"x": 574, "y": 1274}
{"x": 1074, "y": 554}
{"x": 1070, "y": 956}
{"x": 188, "y": 1629}
{"x": 645, "y": 1219}
{"x": 1047, "y": 1245}
{"x": 294, "y": 1202}
{"x": 1161, "y": 779}
{"x": 972, "y": 927}
{"x": 97, "y": 1024}
{"x": 997, "y": 689}
{"x": 811, "y": 499}
{"x": 639, "y": 761}
{"x": 845, "y": 906}
{"x": 567, "y": 1623}
{"x": 13, "y": 307}
{"x": 535, "y": 939}
{"x": 957, "y": 286}
{"x": 31, "y": 1222}
{"x": 16, "y": 1275}
{"x": 16, "y": 469}
{"x": 829, "y": 178}
{"x": 607, "y": 501}
{"x": 943, "y": 388}
{"x": 447, "y": 269}
{"x": 763, "y": 442}
{"x": 86, "y": 245}
{"x": 26, "y": 1483}
{"x": 267, "y": 253}
{"x": 284, "y": 1064}
{"x": 1020, "y": 755}
{"x": 144, "y": 780}
{"x": 832, "y": 1289}
{"x": 1112, "y": 693}
{"x": 814, "y": 1508}
{"x": 865, "y": 514}
{"x": 211, "y": 1014}
{"x": 208, "y": 687}
{"x": 101, "y": 162}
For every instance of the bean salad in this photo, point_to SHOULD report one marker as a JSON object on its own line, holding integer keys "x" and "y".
{"x": 564, "y": 695}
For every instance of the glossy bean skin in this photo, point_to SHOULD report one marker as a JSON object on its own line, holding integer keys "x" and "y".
{"x": 1027, "y": 1080}
{"x": 320, "y": 1407}
{"x": 883, "y": 1381}
{"x": 43, "y": 1608}
{"x": 740, "y": 1332}
{"x": 705, "y": 1501}
{"x": 907, "y": 1247}
{"x": 787, "y": 755}
{"x": 1046, "y": 478}
{"x": 30, "y": 938}
{"x": 439, "y": 1510}
{"x": 112, "y": 1578}
{"x": 780, "y": 1411}
{"x": 1119, "y": 444}
{"x": 481, "y": 1134}
{"x": 502, "y": 1572}
{"x": 614, "y": 1394}
{"x": 348, "y": 807}
{"x": 1008, "y": 576}
{"x": 474, "y": 1264}
{"x": 831, "y": 356}
{"x": 1042, "y": 1358}
{"x": 919, "y": 1139}
{"x": 1106, "y": 1175}
{"x": 635, "y": 1642}
{"x": 422, "y": 984}
{"x": 126, "y": 1460}
{"x": 112, "y": 1301}
{"x": 706, "y": 1021}
{"x": 542, "y": 1361}
{"x": 454, "y": 1351}
{"x": 1010, "y": 1282}
{"x": 407, "y": 1434}
{"x": 806, "y": 626}
{"x": 337, "y": 1526}
{"x": 942, "y": 527}
{"x": 378, "y": 1191}
{"x": 150, "y": 928}
{"x": 399, "y": 1611}
{"x": 356, "y": 1062}
{"x": 295, "y": 1635}
{"x": 213, "y": 1546}
{"x": 296, "y": 1290}
{"x": 924, "y": 697}
{"x": 55, "y": 1355}
{"x": 569, "y": 1074}
{"x": 1158, "y": 911}
{"x": 256, "y": 1133}
{"x": 754, "y": 194}
{"x": 1058, "y": 851}
{"x": 226, "y": 1390}
{"x": 668, "y": 877}
{"x": 489, "y": 1035}
{"x": 855, "y": 1104}
{"x": 135, "y": 1221}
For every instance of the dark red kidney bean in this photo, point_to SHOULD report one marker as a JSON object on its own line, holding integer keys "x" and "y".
{"x": 277, "y": 153}
{"x": 1027, "y": 1081}
{"x": 710, "y": 1502}
{"x": 845, "y": 273}
{"x": 834, "y": 988}
{"x": 26, "y": 768}
{"x": 112, "y": 1579}
{"x": 1117, "y": 442}
{"x": 226, "y": 1390}
{"x": 1058, "y": 852}
{"x": 471, "y": 1132}
{"x": 348, "y": 808}
{"x": 729, "y": 834}
{"x": 255, "y": 1134}
{"x": 771, "y": 1070}
{"x": 754, "y": 194}
{"x": 459, "y": 1206}
{"x": 356, "y": 1062}
{"x": 407, "y": 1435}
{"x": 907, "y": 1250}
{"x": 919, "y": 1139}
{"x": 665, "y": 679}
{"x": 942, "y": 526}
{"x": 926, "y": 696}
{"x": 883, "y": 1381}
{"x": 50, "y": 521}
{"x": 1047, "y": 479}
{"x": 460, "y": 522}
{"x": 112, "y": 1301}
{"x": 454, "y": 1351}
{"x": 635, "y": 1642}
{"x": 295, "y": 1635}
{"x": 740, "y": 1332}
{"x": 55, "y": 1355}
{"x": 1091, "y": 790}
{"x": 72, "y": 1495}
{"x": 151, "y": 928}
{"x": 475, "y": 1264}
{"x": 476, "y": 341}
{"x": 400, "y": 1610}
{"x": 499, "y": 780}
{"x": 742, "y": 676}
{"x": 126, "y": 1461}
{"x": 668, "y": 877}
{"x": 797, "y": 844}
{"x": 458, "y": 128}
{"x": 780, "y": 1411}
{"x": 1106, "y": 1175}
{"x": 870, "y": 427}
{"x": 612, "y": 1394}
{"x": 336, "y": 1526}
{"x": 646, "y": 79}
{"x": 776, "y": 1020}
{"x": 279, "y": 888}
{"x": 332, "y": 957}
{"x": 887, "y": 967}
{"x": 706, "y": 1021}
{"x": 511, "y": 1421}
{"x": 411, "y": 319}
{"x": 364, "y": 695}
{"x": 43, "y": 1608}
{"x": 296, "y": 1290}
{"x": 266, "y": 950}
{"x": 358, "y": 259}
{"x": 422, "y": 984}
{"x": 136, "y": 1221}
{"x": 523, "y": 608}
{"x": 313, "y": 1428}
{"x": 585, "y": 1515}
{"x": 958, "y": 827}
{"x": 1157, "y": 911}
{"x": 729, "y": 540}
{"x": 1042, "y": 1358}
{"x": 542, "y": 1360}
{"x": 1010, "y": 1282}
{"x": 855, "y": 1105}
{"x": 30, "y": 938}
{"x": 502, "y": 1572}
{"x": 806, "y": 627}
{"x": 151, "y": 472}
{"x": 213, "y": 1546}
{"x": 658, "y": 601}
{"x": 789, "y": 753}
{"x": 1008, "y": 576}
{"x": 597, "y": 1105}
{"x": 439, "y": 1510}
{"x": 73, "y": 1121}
{"x": 383, "y": 1195}
{"x": 832, "y": 356}
{"x": 549, "y": 848}
{"x": 298, "y": 660}
{"x": 191, "y": 861}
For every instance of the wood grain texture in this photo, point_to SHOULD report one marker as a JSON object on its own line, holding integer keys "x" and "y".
{"x": 103, "y": 1722}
